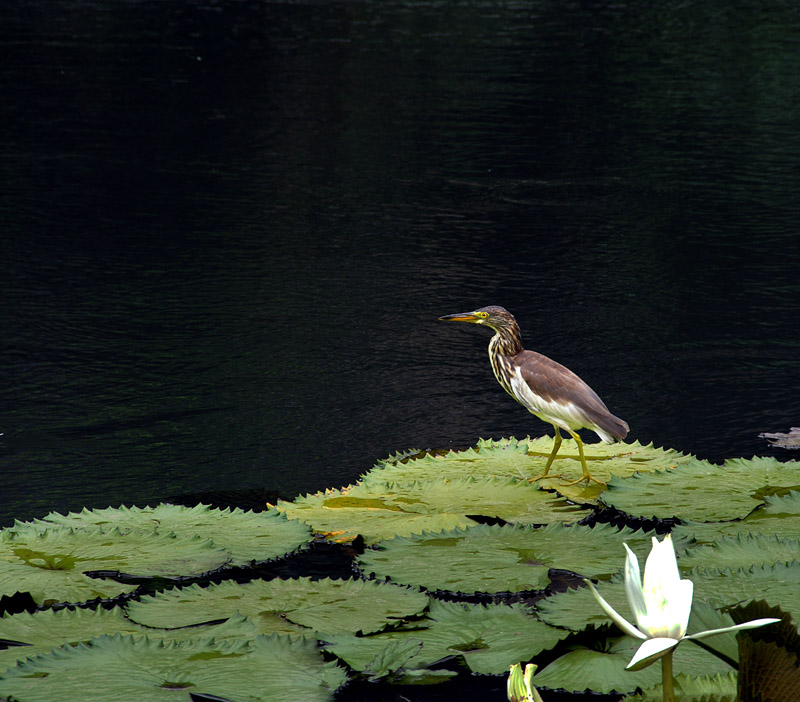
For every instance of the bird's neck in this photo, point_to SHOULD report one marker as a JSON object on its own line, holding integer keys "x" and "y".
{"x": 507, "y": 342}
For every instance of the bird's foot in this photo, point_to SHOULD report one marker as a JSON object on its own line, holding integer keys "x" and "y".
{"x": 589, "y": 479}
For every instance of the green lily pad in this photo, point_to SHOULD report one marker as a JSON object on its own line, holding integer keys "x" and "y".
{"x": 704, "y": 688}
{"x": 602, "y": 668}
{"x": 297, "y": 605}
{"x": 342, "y": 516}
{"x": 526, "y": 458}
{"x": 47, "y": 587}
{"x": 779, "y": 516}
{"x": 501, "y": 558}
{"x": 62, "y": 548}
{"x": 277, "y": 669}
{"x": 52, "y": 628}
{"x": 778, "y": 584}
{"x": 246, "y": 536}
{"x": 704, "y": 492}
{"x": 575, "y": 609}
{"x": 48, "y": 629}
{"x": 741, "y": 551}
{"x": 379, "y": 510}
{"x": 490, "y": 638}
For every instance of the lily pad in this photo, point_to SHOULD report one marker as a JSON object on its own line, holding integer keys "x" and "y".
{"x": 500, "y": 558}
{"x": 779, "y": 516}
{"x": 62, "y": 548}
{"x": 489, "y": 638}
{"x": 296, "y": 605}
{"x": 704, "y": 492}
{"x": 274, "y": 668}
{"x": 704, "y": 688}
{"x": 742, "y": 551}
{"x": 381, "y": 510}
{"x": 48, "y": 629}
{"x": 778, "y": 584}
{"x": 602, "y": 668}
{"x": 47, "y": 587}
{"x": 526, "y": 458}
{"x": 246, "y": 536}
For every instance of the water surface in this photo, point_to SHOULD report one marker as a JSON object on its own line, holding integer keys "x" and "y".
{"x": 228, "y": 230}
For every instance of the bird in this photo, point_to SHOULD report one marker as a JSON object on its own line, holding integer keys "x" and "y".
{"x": 544, "y": 387}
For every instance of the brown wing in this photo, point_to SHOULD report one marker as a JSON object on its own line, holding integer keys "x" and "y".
{"x": 555, "y": 383}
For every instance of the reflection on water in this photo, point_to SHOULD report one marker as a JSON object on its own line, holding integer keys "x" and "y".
{"x": 228, "y": 231}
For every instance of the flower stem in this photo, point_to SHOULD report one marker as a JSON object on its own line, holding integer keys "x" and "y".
{"x": 666, "y": 678}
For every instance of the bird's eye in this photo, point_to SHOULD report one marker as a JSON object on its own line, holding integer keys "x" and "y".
{"x": 483, "y": 315}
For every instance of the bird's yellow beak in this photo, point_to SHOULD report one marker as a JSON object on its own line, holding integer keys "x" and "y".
{"x": 461, "y": 317}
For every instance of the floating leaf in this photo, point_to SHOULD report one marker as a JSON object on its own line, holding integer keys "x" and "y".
{"x": 247, "y": 536}
{"x": 488, "y": 637}
{"x": 48, "y": 629}
{"x": 324, "y": 605}
{"x": 718, "y": 688}
{"x": 704, "y": 492}
{"x": 61, "y": 548}
{"x": 602, "y": 668}
{"x": 526, "y": 458}
{"x": 274, "y": 669}
{"x": 741, "y": 551}
{"x": 500, "y": 558}
{"x": 342, "y": 517}
{"x": 780, "y": 516}
{"x": 382, "y": 510}
{"x": 577, "y": 608}
{"x": 47, "y": 587}
{"x": 51, "y": 628}
{"x": 779, "y": 583}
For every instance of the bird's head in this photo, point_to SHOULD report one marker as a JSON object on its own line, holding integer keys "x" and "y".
{"x": 494, "y": 316}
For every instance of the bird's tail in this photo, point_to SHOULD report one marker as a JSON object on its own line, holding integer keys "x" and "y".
{"x": 611, "y": 428}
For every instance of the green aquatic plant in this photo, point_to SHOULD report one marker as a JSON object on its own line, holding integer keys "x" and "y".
{"x": 245, "y": 536}
{"x": 463, "y": 525}
{"x": 269, "y": 668}
{"x": 497, "y": 558}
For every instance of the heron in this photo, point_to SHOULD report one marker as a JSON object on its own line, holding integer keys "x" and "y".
{"x": 544, "y": 387}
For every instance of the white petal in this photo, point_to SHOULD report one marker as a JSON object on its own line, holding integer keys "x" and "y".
{"x": 668, "y": 611}
{"x": 633, "y": 585}
{"x": 621, "y": 622}
{"x": 650, "y": 651}
{"x": 739, "y": 627}
{"x": 661, "y": 566}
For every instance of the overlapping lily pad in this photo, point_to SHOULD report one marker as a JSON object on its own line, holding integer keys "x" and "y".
{"x": 246, "y": 536}
{"x": 47, "y": 587}
{"x": 602, "y": 667}
{"x": 704, "y": 492}
{"x": 300, "y": 605}
{"x": 380, "y": 510}
{"x": 62, "y": 548}
{"x": 488, "y": 637}
{"x": 274, "y": 669}
{"x": 742, "y": 551}
{"x": 526, "y": 458}
{"x": 705, "y": 688}
{"x": 500, "y": 558}
{"x": 51, "y": 628}
{"x": 50, "y": 564}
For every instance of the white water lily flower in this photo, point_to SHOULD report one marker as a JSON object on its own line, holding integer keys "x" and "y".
{"x": 661, "y": 605}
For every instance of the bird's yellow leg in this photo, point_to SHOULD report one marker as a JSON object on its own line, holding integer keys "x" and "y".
{"x": 586, "y": 476}
{"x": 550, "y": 458}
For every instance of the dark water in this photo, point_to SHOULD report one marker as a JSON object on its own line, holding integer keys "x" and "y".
{"x": 228, "y": 229}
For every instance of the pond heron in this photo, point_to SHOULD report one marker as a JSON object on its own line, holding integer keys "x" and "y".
{"x": 546, "y": 388}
